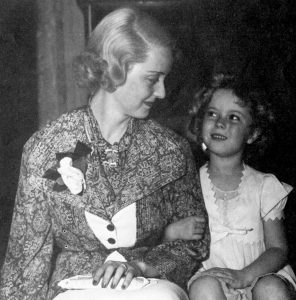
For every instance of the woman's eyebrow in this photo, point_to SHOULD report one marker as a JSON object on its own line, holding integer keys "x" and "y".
{"x": 156, "y": 72}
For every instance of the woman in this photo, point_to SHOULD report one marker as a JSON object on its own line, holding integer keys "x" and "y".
{"x": 105, "y": 178}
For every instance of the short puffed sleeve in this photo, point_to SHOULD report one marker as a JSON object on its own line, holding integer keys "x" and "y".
{"x": 273, "y": 197}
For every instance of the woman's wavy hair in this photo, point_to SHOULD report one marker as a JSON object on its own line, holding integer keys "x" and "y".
{"x": 122, "y": 39}
{"x": 252, "y": 96}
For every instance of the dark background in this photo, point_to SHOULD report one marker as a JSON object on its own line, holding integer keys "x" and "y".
{"x": 256, "y": 38}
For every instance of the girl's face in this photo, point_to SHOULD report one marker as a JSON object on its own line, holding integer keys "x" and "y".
{"x": 144, "y": 84}
{"x": 226, "y": 125}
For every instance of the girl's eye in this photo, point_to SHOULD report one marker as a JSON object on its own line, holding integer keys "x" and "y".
{"x": 234, "y": 118}
{"x": 211, "y": 114}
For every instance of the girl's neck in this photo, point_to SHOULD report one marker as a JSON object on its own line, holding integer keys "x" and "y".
{"x": 225, "y": 173}
{"x": 112, "y": 124}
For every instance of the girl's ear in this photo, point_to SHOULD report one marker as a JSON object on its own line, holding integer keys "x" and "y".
{"x": 253, "y": 137}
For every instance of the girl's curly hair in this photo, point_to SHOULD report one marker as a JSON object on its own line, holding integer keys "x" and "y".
{"x": 252, "y": 96}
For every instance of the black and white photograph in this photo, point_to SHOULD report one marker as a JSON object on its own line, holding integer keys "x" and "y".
{"x": 147, "y": 150}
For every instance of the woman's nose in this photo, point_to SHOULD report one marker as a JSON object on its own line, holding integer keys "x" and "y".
{"x": 159, "y": 90}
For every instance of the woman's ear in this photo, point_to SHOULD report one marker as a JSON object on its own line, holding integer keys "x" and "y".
{"x": 253, "y": 137}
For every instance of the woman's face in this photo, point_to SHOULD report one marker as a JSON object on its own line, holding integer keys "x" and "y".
{"x": 226, "y": 124}
{"x": 144, "y": 84}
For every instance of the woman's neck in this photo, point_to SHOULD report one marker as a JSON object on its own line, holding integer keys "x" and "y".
{"x": 112, "y": 124}
{"x": 225, "y": 173}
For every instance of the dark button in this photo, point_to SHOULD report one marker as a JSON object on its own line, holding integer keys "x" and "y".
{"x": 111, "y": 241}
{"x": 110, "y": 227}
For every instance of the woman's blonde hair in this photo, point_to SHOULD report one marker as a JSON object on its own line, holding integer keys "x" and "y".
{"x": 121, "y": 39}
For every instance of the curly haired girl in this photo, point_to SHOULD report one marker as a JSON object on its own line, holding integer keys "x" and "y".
{"x": 248, "y": 253}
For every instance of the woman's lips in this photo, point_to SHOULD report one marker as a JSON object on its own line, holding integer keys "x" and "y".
{"x": 150, "y": 104}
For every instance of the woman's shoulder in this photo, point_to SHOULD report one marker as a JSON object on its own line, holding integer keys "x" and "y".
{"x": 65, "y": 125}
{"x": 60, "y": 135}
{"x": 66, "y": 122}
{"x": 153, "y": 130}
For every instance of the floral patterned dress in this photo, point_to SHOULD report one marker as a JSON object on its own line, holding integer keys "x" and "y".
{"x": 154, "y": 170}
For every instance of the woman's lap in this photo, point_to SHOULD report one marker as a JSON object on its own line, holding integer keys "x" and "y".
{"x": 162, "y": 290}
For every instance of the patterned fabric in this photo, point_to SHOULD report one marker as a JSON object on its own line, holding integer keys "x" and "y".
{"x": 156, "y": 171}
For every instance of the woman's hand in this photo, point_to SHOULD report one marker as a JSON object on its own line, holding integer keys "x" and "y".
{"x": 113, "y": 271}
{"x": 190, "y": 228}
{"x": 236, "y": 279}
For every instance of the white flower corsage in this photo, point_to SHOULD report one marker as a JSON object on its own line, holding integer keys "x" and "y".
{"x": 69, "y": 172}
{"x": 72, "y": 177}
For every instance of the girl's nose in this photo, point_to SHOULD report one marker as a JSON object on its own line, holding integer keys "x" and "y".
{"x": 221, "y": 123}
{"x": 159, "y": 90}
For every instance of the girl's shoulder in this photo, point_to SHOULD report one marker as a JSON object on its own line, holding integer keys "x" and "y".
{"x": 269, "y": 188}
{"x": 256, "y": 178}
{"x": 264, "y": 179}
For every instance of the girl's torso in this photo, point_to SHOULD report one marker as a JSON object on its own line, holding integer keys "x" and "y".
{"x": 236, "y": 218}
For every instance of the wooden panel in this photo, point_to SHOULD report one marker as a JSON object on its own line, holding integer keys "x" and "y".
{"x": 97, "y": 3}
{"x": 60, "y": 37}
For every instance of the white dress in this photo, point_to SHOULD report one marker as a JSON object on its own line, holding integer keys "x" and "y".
{"x": 236, "y": 226}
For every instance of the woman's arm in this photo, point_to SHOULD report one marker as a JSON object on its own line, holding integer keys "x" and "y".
{"x": 26, "y": 268}
{"x": 177, "y": 260}
{"x": 174, "y": 260}
{"x": 174, "y": 256}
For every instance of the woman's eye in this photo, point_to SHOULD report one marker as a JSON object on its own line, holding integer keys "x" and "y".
{"x": 152, "y": 80}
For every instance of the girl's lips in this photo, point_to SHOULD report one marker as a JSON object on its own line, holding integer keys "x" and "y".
{"x": 220, "y": 137}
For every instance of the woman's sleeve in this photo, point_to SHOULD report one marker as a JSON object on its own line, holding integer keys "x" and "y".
{"x": 177, "y": 260}
{"x": 273, "y": 197}
{"x": 26, "y": 268}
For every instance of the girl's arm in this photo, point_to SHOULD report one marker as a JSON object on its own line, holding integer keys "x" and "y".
{"x": 190, "y": 228}
{"x": 270, "y": 261}
{"x": 275, "y": 256}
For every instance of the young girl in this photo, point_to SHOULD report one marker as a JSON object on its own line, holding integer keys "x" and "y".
{"x": 248, "y": 253}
